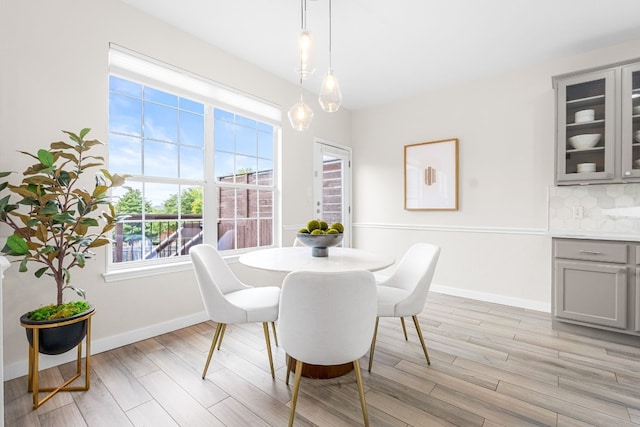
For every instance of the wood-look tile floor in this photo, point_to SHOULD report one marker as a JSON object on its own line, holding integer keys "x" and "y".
{"x": 492, "y": 365}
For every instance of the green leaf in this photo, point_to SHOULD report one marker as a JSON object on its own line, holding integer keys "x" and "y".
{"x": 78, "y": 291}
{"x": 3, "y": 174}
{"x": 40, "y": 272}
{"x": 4, "y": 202}
{"x": 72, "y": 136}
{"x": 50, "y": 208}
{"x": 64, "y": 178}
{"x": 45, "y": 157}
{"x": 79, "y": 259}
{"x": 64, "y": 217}
{"x": 23, "y": 265}
{"x": 84, "y": 132}
{"x": 91, "y": 222}
{"x": 18, "y": 245}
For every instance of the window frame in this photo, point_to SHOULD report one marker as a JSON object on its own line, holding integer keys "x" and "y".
{"x": 123, "y": 270}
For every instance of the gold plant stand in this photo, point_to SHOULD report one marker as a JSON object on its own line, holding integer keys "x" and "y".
{"x": 34, "y": 352}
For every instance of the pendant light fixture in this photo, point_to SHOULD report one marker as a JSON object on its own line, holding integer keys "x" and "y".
{"x": 305, "y": 68}
{"x": 330, "y": 95}
{"x": 300, "y": 115}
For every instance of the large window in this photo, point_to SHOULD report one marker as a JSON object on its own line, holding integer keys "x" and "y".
{"x": 192, "y": 179}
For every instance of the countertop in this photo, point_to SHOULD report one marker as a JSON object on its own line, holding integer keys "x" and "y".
{"x": 595, "y": 235}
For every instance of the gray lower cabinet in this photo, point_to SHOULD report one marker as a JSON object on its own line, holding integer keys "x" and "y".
{"x": 597, "y": 284}
{"x": 592, "y": 293}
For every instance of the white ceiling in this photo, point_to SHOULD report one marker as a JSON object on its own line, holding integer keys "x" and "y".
{"x": 385, "y": 50}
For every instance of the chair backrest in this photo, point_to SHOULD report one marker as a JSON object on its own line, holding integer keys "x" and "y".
{"x": 327, "y": 318}
{"x": 414, "y": 274}
{"x": 216, "y": 279}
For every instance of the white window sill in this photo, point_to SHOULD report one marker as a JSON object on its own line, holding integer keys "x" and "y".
{"x": 136, "y": 272}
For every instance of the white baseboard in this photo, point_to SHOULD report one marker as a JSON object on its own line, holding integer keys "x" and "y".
{"x": 494, "y": 298}
{"x": 19, "y": 369}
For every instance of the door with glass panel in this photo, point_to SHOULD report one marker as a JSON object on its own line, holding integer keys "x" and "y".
{"x": 332, "y": 185}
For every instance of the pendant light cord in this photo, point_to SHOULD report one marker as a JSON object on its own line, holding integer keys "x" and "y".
{"x": 330, "y": 66}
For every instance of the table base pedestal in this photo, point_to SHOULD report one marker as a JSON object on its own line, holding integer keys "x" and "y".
{"x": 323, "y": 372}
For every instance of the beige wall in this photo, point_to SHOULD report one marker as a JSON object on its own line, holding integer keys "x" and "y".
{"x": 54, "y": 76}
{"x": 495, "y": 247}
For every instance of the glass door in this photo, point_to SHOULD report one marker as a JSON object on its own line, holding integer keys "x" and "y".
{"x": 586, "y": 123}
{"x": 630, "y": 158}
{"x": 332, "y": 185}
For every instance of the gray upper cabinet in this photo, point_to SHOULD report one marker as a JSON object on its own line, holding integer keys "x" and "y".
{"x": 598, "y": 126}
{"x": 630, "y": 125}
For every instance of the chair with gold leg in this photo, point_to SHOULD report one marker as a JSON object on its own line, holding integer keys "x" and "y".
{"x": 229, "y": 301}
{"x": 404, "y": 292}
{"x": 327, "y": 319}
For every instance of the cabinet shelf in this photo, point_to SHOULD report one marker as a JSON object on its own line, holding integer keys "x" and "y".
{"x": 584, "y": 150}
{"x": 586, "y": 124}
{"x": 586, "y": 102}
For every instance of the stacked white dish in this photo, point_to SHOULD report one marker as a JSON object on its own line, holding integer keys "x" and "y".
{"x": 586, "y": 167}
{"x": 637, "y": 134}
{"x": 636, "y": 109}
{"x": 587, "y": 140}
{"x": 585, "y": 116}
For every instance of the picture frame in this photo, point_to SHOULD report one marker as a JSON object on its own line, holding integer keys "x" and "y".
{"x": 431, "y": 175}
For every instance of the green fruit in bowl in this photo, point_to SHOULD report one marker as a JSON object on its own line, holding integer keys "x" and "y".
{"x": 338, "y": 226}
{"x": 324, "y": 226}
{"x": 312, "y": 225}
{"x": 317, "y": 231}
{"x": 332, "y": 231}
{"x": 303, "y": 231}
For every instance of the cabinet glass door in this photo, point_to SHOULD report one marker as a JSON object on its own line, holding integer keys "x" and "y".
{"x": 630, "y": 121}
{"x": 586, "y": 120}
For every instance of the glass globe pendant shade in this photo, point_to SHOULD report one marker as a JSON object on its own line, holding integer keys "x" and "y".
{"x": 300, "y": 115}
{"x": 305, "y": 68}
{"x": 330, "y": 95}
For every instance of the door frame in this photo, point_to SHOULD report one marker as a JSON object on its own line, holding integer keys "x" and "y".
{"x": 321, "y": 146}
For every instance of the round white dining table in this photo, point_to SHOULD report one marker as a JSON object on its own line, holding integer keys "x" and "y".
{"x": 298, "y": 258}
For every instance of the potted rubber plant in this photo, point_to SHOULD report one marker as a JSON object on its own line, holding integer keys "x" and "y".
{"x": 56, "y": 225}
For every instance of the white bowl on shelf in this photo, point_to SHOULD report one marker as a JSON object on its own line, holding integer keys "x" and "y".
{"x": 636, "y": 109}
{"x": 585, "y": 116}
{"x": 637, "y": 135}
{"x": 636, "y": 164}
{"x": 586, "y": 167}
{"x": 587, "y": 140}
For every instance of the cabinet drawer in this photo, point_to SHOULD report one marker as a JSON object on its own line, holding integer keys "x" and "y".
{"x": 589, "y": 250}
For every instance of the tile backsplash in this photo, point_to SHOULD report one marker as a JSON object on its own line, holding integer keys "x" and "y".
{"x": 584, "y": 208}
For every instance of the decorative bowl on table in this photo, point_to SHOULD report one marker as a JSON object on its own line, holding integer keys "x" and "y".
{"x": 319, "y": 243}
{"x": 582, "y": 142}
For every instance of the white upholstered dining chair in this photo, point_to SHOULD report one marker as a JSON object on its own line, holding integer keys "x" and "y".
{"x": 228, "y": 300}
{"x": 404, "y": 292}
{"x": 327, "y": 319}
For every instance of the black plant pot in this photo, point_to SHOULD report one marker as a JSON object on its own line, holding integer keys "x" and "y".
{"x": 54, "y": 339}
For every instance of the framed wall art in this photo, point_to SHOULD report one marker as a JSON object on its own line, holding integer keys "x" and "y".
{"x": 431, "y": 175}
